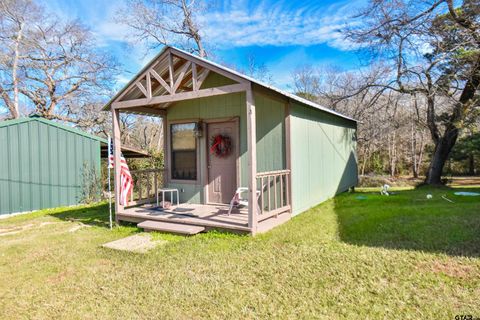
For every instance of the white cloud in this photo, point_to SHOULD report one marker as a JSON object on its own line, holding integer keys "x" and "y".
{"x": 234, "y": 23}
{"x": 278, "y": 24}
{"x": 98, "y": 15}
{"x": 122, "y": 80}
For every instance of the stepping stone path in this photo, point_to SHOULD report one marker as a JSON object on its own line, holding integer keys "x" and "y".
{"x": 138, "y": 243}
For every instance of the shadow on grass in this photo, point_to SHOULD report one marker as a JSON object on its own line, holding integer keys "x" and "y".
{"x": 95, "y": 215}
{"x": 410, "y": 221}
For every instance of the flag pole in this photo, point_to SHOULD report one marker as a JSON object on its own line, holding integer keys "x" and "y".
{"x": 109, "y": 184}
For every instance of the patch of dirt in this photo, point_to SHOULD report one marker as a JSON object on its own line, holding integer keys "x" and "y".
{"x": 60, "y": 277}
{"x": 104, "y": 262}
{"x": 47, "y": 223}
{"x": 78, "y": 227}
{"x": 371, "y": 180}
{"x": 464, "y": 181}
{"x": 15, "y": 229}
{"x": 450, "y": 268}
{"x": 138, "y": 243}
{"x": 9, "y": 233}
{"x": 18, "y": 229}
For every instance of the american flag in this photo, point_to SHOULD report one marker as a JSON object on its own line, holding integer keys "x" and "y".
{"x": 110, "y": 153}
{"x": 126, "y": 181}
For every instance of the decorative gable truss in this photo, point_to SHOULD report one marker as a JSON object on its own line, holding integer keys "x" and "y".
{"x": 173, "y": 76}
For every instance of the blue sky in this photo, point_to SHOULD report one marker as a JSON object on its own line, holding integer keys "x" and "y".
{"x": 283, "y": 35}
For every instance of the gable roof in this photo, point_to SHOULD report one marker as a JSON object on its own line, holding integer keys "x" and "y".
{"x": 233, "y": 73}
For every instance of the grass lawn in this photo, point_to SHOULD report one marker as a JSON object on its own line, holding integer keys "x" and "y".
{"x": 399, "y": 257}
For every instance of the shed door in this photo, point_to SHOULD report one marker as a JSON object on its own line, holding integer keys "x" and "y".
{"x": 222, "y": 171}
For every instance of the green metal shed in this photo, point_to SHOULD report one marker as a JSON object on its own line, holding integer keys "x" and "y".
{"x": 41, "y": 164}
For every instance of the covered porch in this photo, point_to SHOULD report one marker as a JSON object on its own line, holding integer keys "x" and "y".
{"x": 168, "y": 87}
{"x": 209, "y": 216}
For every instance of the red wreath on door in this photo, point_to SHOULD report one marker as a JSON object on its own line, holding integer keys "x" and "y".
{"x": 221, "y": 146}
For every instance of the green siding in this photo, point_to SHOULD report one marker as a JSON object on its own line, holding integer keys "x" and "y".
{"x": 222, "y": 106}
{"x": 323, "y": 156}
{"x": 43, "y": 162}
{"x": 270, "y": 114}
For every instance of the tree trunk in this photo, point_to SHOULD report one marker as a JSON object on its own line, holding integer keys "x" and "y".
{"x": 420, "y": 156}
{"x": 392, "y": 153}
{"x": 15, "y": 80}
{"x": 471, "y": 164}
{"x": 414, "y": 151}
{"x": 445, "y": 143}
{"x": 440, "y": 156}
{"x": 365, "y": 159}
{"x": 160, "y": 136}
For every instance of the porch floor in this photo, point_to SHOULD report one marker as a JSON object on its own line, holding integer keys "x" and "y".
{"x": 208, "y": 216}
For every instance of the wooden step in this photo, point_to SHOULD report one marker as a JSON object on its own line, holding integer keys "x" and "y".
{"x": 150, "y": 225}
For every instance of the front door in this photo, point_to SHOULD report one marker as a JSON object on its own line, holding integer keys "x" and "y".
{"x": 222, "y": 170}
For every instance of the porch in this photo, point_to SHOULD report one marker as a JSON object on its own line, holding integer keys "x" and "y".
{"x": 211, "y": 217}
{"x": 273, "y": 205}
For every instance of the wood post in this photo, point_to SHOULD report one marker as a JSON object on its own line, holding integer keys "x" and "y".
{"x": 170, "y": 72}
{"x": 166, "y": 164}
{"x": 269, "y": 196}
{"x": 288, "y": 154}
{"x": 149, "y": 86}
{"x": 252, "y": 160}
{"x": 155, "y": 184}
{"x": 116, "y": 159}
{"x": 262, "y": 194}
{"x": 194, "y": 76}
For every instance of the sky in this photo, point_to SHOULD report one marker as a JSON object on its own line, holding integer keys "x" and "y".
{"x": 282, "y": 35}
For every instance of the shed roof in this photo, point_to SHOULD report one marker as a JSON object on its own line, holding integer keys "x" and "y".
{"x": 7, "y": 123}
{"x": 129, "y": 152}
{"x": 233, "y": 73}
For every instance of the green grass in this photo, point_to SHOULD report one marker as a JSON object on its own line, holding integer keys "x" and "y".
{"x": 398, "y": 257}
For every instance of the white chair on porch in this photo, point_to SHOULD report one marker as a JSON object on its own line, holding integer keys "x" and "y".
{"x": 238, "y": 201}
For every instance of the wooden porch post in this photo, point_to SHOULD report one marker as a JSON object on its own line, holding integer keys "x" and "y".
{"x": 288, "y": 152}
{"x": 166, "y": 164}
{"x": 252, "y": 160}
{"x": 116, "y": 159}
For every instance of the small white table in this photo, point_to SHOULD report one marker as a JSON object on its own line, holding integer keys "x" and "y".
{"x": 163, "y": 191}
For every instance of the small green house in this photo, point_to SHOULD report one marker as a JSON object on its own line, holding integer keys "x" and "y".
{"x": 42, "y": 163}
{"x": 225, "y": 131}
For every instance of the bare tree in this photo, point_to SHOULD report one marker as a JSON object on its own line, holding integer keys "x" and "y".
{"x": 144, "y": 132}
{"x": 64, "y": 70}
{"x": 165, "y": 22}
{"x": 54, "y": 64}
{"x": 307, "y": 82}
{"x": 258, "y": 70}
{"x": 14, "y": 17}
{"x": 434, "y": 50}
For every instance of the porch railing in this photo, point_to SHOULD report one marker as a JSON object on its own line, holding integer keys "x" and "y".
{"x": 145, "y": 185}
{"x": 274, "y": 197}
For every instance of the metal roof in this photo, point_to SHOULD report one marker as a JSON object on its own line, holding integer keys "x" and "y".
{"x": 129, "y": 152}
{"x": 7, "y": 123}
{"x": 236, "y": 73}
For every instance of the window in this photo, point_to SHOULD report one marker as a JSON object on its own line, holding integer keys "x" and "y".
{"x": 184, "y": 151}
